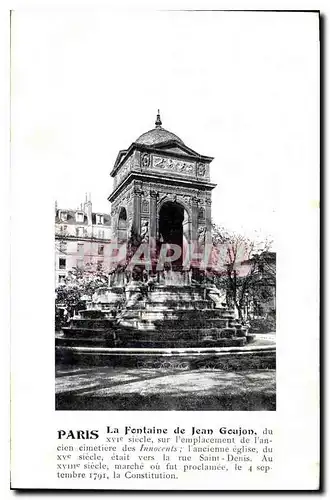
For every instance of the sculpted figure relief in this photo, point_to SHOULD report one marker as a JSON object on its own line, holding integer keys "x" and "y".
{"x": 145, "y": 206}
{"x": 173, "y": 165}
{"x": 145, "y": 231}
{"x": 201, "y": 235}
{"x": 124, "y": 170}
{"x": 201, "y": 213}
{"x": 201, "y": 169}
{"x": 145, "y": 160}
{"x": 216, "y": 296}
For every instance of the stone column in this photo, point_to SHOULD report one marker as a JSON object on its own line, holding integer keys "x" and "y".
{"x": 153, "y": 215}
{"x": 153, "y": 227}
{"x": 187, "y": 237}
{"x": 208, "y": 233}
{"x": 208, "y": 221}
{"x": 194, "y": 218}
{"x": 137, "y": 209}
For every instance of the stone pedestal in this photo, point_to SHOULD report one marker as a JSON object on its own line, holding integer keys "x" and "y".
{"x": 158, "y": 314}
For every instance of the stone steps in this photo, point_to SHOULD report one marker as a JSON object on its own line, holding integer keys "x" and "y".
{"x": 133, "y": 331}
{"x": 156, "y": 342}
{"x": 166, "y": 316}
{"x": 178, "y": 314}
{"x": 71, "y": 330}
{"x": 104, "y": 341}
{"x": 92, "y": 323}
{"x": 94, "y": 313}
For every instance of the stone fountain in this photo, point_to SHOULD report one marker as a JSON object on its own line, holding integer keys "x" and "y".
{"x": 158, "y": 297}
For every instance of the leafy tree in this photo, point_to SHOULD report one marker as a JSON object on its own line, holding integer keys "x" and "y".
{"x": 79, "y": 283}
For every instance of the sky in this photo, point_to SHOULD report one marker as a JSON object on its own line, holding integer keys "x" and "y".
{"x": 87, "y": 83}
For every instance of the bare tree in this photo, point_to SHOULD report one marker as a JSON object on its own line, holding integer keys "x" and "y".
{"x": 246, "y": 274}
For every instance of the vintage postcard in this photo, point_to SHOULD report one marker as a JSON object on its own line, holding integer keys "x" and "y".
{"x": 165, "y": 179}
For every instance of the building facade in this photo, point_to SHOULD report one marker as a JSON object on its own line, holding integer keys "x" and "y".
{"x": 82, "y": 240}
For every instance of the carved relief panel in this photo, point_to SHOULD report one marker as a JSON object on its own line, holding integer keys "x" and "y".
{"x": 201, "y": 169}
{"x": 123, "y": 171}
{"x": 145, "y": 206}
{"x": 173, "y": 165}
{"x": 145, "y": 160}
{"x": 162, "y": 164}
{"x": 201, "y": 215}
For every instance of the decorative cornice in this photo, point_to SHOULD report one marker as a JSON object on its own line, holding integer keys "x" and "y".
{"x": 154, "y": 177}
{"x": 187, "y": 153}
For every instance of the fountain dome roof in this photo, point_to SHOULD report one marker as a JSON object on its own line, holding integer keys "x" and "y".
{"x": 157, "y": 135}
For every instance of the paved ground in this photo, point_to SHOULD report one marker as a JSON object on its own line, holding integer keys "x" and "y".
{"x": 263, "y": 339}
{"x": 128, "y": 388}
{"x": 108, "y": 388}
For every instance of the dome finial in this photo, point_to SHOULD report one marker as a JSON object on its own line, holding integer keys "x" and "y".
{"x": 158, "y": 121}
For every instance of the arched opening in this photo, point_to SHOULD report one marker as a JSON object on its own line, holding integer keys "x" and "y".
{"x": 171, "y": 218}
{"x": 122, "y": 225}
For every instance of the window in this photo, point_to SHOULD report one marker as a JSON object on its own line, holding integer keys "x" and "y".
{"x": 61, "y": 278}
{"x": 62, "y": 263}
{"x": 101, "y": 250}
{"x": 63, "y": 246}
{"x": 63, "y": 229}
{"x": 99, "y": 265}
{"x": 80, "y": 248}
{"x": 99, "y": 219}
{"x": 79, "y": 216}
{"x": 79, "y": 231}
